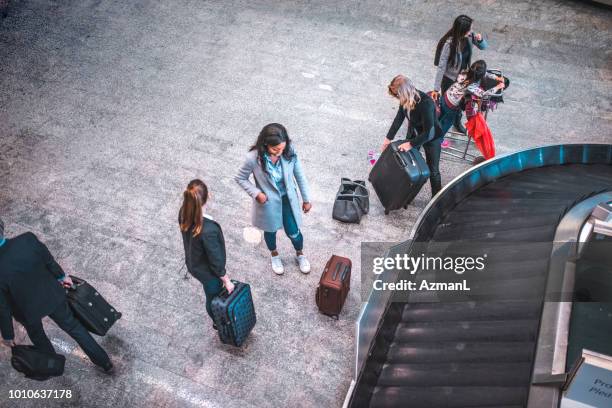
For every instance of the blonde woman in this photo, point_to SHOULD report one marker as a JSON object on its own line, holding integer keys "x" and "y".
{"x": 423, "y": 127}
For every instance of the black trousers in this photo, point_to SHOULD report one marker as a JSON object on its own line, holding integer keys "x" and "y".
{"x": 433, "y": 149}
{"x": 66, "y": 321}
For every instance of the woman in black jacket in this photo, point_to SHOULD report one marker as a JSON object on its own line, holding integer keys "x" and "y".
{"x": 203, "y": 242}
{"x": 423, "y": 127}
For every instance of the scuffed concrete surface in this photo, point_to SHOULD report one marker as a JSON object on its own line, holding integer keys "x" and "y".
{"x": 108, "y": 109}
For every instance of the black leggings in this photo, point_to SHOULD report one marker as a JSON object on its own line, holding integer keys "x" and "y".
{"x": 432, "y": 157}
{"x": 433, "y": 151}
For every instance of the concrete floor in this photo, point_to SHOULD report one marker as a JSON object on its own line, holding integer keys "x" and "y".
{"x": 108, "y": 109}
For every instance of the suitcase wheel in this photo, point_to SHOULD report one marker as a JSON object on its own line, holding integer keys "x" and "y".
{"x": 386, "y": 212}
{"x": 406, "y": 207}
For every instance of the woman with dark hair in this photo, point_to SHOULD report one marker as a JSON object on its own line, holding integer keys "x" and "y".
{"x": 203, "y": 243}
{"x": 276, "y": 168}
{"x": 468, "y": 82}
{"x": 423, "y": 127}
{"x": 453, "y": 55}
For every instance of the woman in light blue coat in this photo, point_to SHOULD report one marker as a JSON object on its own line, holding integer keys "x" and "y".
{"x": 276, "y": 169}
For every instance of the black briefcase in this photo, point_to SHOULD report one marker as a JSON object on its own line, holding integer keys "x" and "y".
{"x": 90, "y": 308}
{"x": 397, "y": 177}
{"x": 35, "y": 364}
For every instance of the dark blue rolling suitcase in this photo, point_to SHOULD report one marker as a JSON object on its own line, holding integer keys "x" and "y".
{"x": 234, "y": 314}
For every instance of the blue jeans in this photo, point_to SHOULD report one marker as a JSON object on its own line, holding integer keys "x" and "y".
{"x": 447, "y": 116}
{"x": 291, "y": 229}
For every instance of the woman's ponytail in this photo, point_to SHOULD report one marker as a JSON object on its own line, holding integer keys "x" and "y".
{"x": 190, "y": 214}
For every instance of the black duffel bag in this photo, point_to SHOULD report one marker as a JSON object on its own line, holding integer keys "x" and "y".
{"x": 352, "y": 201}
{"x": 35, "y": 364}
{"x": 90, "y": 308}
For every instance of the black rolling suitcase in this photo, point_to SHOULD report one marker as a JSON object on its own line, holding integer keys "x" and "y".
{"x": 397, "y": 177}
{"x": 234, "y": 314}
{"x": 35, "y": 364}
{"x": 90, "y": 308}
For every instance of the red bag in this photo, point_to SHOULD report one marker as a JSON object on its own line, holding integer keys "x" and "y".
{"x": 477, "y": 127}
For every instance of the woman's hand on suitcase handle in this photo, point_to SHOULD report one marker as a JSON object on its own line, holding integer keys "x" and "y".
{"x": 261, "y": 198}
{"x": 306, "y": 207}
{"x": 435, "y": 95}
{"x": 228, "y": 284}
{"x": 66, "y": 282}
{"x": 404, "y": 147}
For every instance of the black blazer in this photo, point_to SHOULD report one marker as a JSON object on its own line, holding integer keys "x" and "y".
{"x": 29, "y": 286}
{"x": 205, "y": 254}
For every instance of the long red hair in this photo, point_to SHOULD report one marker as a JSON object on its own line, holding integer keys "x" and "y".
{"x": 190, "y": 215}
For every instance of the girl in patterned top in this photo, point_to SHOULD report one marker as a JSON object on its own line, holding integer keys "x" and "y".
{"x": 468, "y": 82}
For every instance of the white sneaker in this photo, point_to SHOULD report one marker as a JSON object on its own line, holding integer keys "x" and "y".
{"x": 302, "y": 261}
{"x": 277, "y": 265}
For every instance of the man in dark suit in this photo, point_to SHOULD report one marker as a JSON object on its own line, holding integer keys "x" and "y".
{"x": 32, "y": 287}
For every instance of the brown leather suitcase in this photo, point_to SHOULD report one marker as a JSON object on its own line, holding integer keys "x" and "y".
{"x": 334, "y": 286}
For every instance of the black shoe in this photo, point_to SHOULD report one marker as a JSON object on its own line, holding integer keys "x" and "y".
{"x": 108, "y": 369}
{"x": 459, "y": 127}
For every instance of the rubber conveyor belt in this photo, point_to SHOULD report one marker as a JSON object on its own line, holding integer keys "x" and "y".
{"x": 480, "y": 353}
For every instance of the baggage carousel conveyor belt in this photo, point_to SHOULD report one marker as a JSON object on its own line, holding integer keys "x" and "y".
{"x": 479, "y": 353}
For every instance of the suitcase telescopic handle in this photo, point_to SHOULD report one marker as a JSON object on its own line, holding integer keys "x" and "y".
{"x": 344, "y": 273}
{"x": 335, "y": 275}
